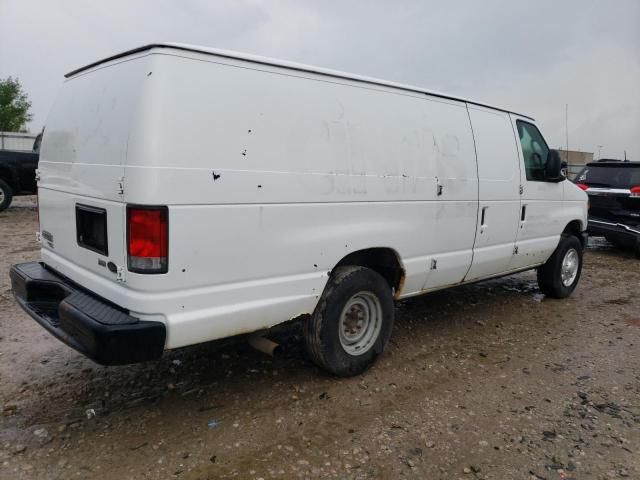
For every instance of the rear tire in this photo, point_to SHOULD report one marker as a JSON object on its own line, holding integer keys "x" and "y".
{"x": 352, "y": 322}
{"x": 6, "y": 195}
{"x": 559, "y": 276}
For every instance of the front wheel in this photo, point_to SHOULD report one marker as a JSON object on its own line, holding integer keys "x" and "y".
{"x": 559, "y": 276}
{"x": 6, "y": 194}
{"x": 352, "y": 322}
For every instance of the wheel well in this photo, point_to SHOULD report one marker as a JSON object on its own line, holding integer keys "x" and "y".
{"x": 574, "y": 228}
{"x": 385, "y": 261}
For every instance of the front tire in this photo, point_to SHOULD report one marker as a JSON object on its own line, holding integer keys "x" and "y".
{"x": 6, "y": 195}
{"x": 559, "y": 276}
{"x": 352, "y": 322}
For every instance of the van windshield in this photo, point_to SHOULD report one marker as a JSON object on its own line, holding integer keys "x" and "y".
{"x": 611, "y": 176}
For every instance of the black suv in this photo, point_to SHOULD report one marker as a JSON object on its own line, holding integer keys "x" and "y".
{"x": 18, "y": 173}
{"x": 614, "y": 196}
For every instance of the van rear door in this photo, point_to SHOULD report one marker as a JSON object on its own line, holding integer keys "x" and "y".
{"x": 84, "y": 150}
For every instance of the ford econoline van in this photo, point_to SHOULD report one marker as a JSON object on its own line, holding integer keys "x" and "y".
{"x": 189, "y": 194}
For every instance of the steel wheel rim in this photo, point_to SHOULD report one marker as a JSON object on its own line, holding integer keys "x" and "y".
{"x": 1, "y": 195}
{"x": 570, "y": 264}
{"x": 360, "y": 323}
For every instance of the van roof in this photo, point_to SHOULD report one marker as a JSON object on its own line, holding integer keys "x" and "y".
{"x": 285, "y": 64}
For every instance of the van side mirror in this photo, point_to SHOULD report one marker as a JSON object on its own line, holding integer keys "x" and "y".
{"x": 553, "y": 167}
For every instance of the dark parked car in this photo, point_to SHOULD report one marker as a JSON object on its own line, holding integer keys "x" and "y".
{"x": 18, "y": 173}
{"x": 614, "y": 194}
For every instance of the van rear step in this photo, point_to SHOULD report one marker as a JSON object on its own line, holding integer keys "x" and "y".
{"x": 96, "y": 328}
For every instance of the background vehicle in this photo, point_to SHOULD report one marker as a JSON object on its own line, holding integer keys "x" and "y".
{"x": 613, "y": 187}
{"x": 326, "y": 194}
{"x": 18, "y": 172}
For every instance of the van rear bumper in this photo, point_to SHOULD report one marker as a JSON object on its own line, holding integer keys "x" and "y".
{"x": 91, "y": 325}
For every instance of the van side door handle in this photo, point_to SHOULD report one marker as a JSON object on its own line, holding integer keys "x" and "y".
{"x": 483, "y": 217}
{"x": 523, "y": 215}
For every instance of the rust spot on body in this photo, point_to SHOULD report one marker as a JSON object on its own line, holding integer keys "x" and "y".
{"x": 400, "y": 285}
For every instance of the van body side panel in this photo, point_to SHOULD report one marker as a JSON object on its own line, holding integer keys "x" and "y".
{"x": 280, "y": 175}
{"x": 499, "y": 197}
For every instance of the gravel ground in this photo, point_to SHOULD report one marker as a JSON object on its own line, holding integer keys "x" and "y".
{"x": 486, "y": 381}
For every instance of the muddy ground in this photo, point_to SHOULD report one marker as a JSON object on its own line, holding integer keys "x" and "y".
{"x": 487, "y": 381}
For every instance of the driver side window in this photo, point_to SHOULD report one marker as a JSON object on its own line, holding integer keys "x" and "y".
{"x": 534, "y": 150}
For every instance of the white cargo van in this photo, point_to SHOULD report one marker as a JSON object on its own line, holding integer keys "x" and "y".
{"x": 189, "y": 194}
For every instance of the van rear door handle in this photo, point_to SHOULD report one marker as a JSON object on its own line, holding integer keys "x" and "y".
{"x": 523, "y": 214}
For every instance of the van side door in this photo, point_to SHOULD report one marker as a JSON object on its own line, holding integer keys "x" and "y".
{"x": 541, "y": 211}
{"x": 499, "y": 192}
{"x": 450, "y": 216}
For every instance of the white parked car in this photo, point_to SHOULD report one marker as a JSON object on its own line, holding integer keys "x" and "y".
{"x": 189, "y": 194}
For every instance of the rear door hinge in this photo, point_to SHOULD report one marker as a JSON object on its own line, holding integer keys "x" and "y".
{"x": 38, "y": 176}
{"x": 521, "y": 189}
{"x": 120, "y": 274}
{"x": 121, "y": 186}
{"x": 515, "y": 250}
{"x": 434, "y": 264}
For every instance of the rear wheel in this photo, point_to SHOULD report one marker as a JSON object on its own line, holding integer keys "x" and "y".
{"x": 352, "y": 323}
{"x": 6, "y": 195}
{"x": 559, "y": 276}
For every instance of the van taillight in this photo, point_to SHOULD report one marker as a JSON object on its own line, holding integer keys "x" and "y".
{"x": 635, "y": 192}
{"x": 582, "y": 186}
{"x": 147, "y": 239}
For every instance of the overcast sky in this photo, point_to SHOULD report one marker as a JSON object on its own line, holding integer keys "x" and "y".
{"x": 532, "y": 57}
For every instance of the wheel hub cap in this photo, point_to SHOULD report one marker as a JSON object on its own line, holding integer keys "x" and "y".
{"x": 570, "y": 264}
{"x": 360, "y": 323}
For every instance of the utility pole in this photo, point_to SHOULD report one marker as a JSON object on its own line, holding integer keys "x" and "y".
{"x": 599, "y": 152}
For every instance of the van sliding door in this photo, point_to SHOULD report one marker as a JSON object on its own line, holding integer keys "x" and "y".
{"x": 499, "y": 192}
